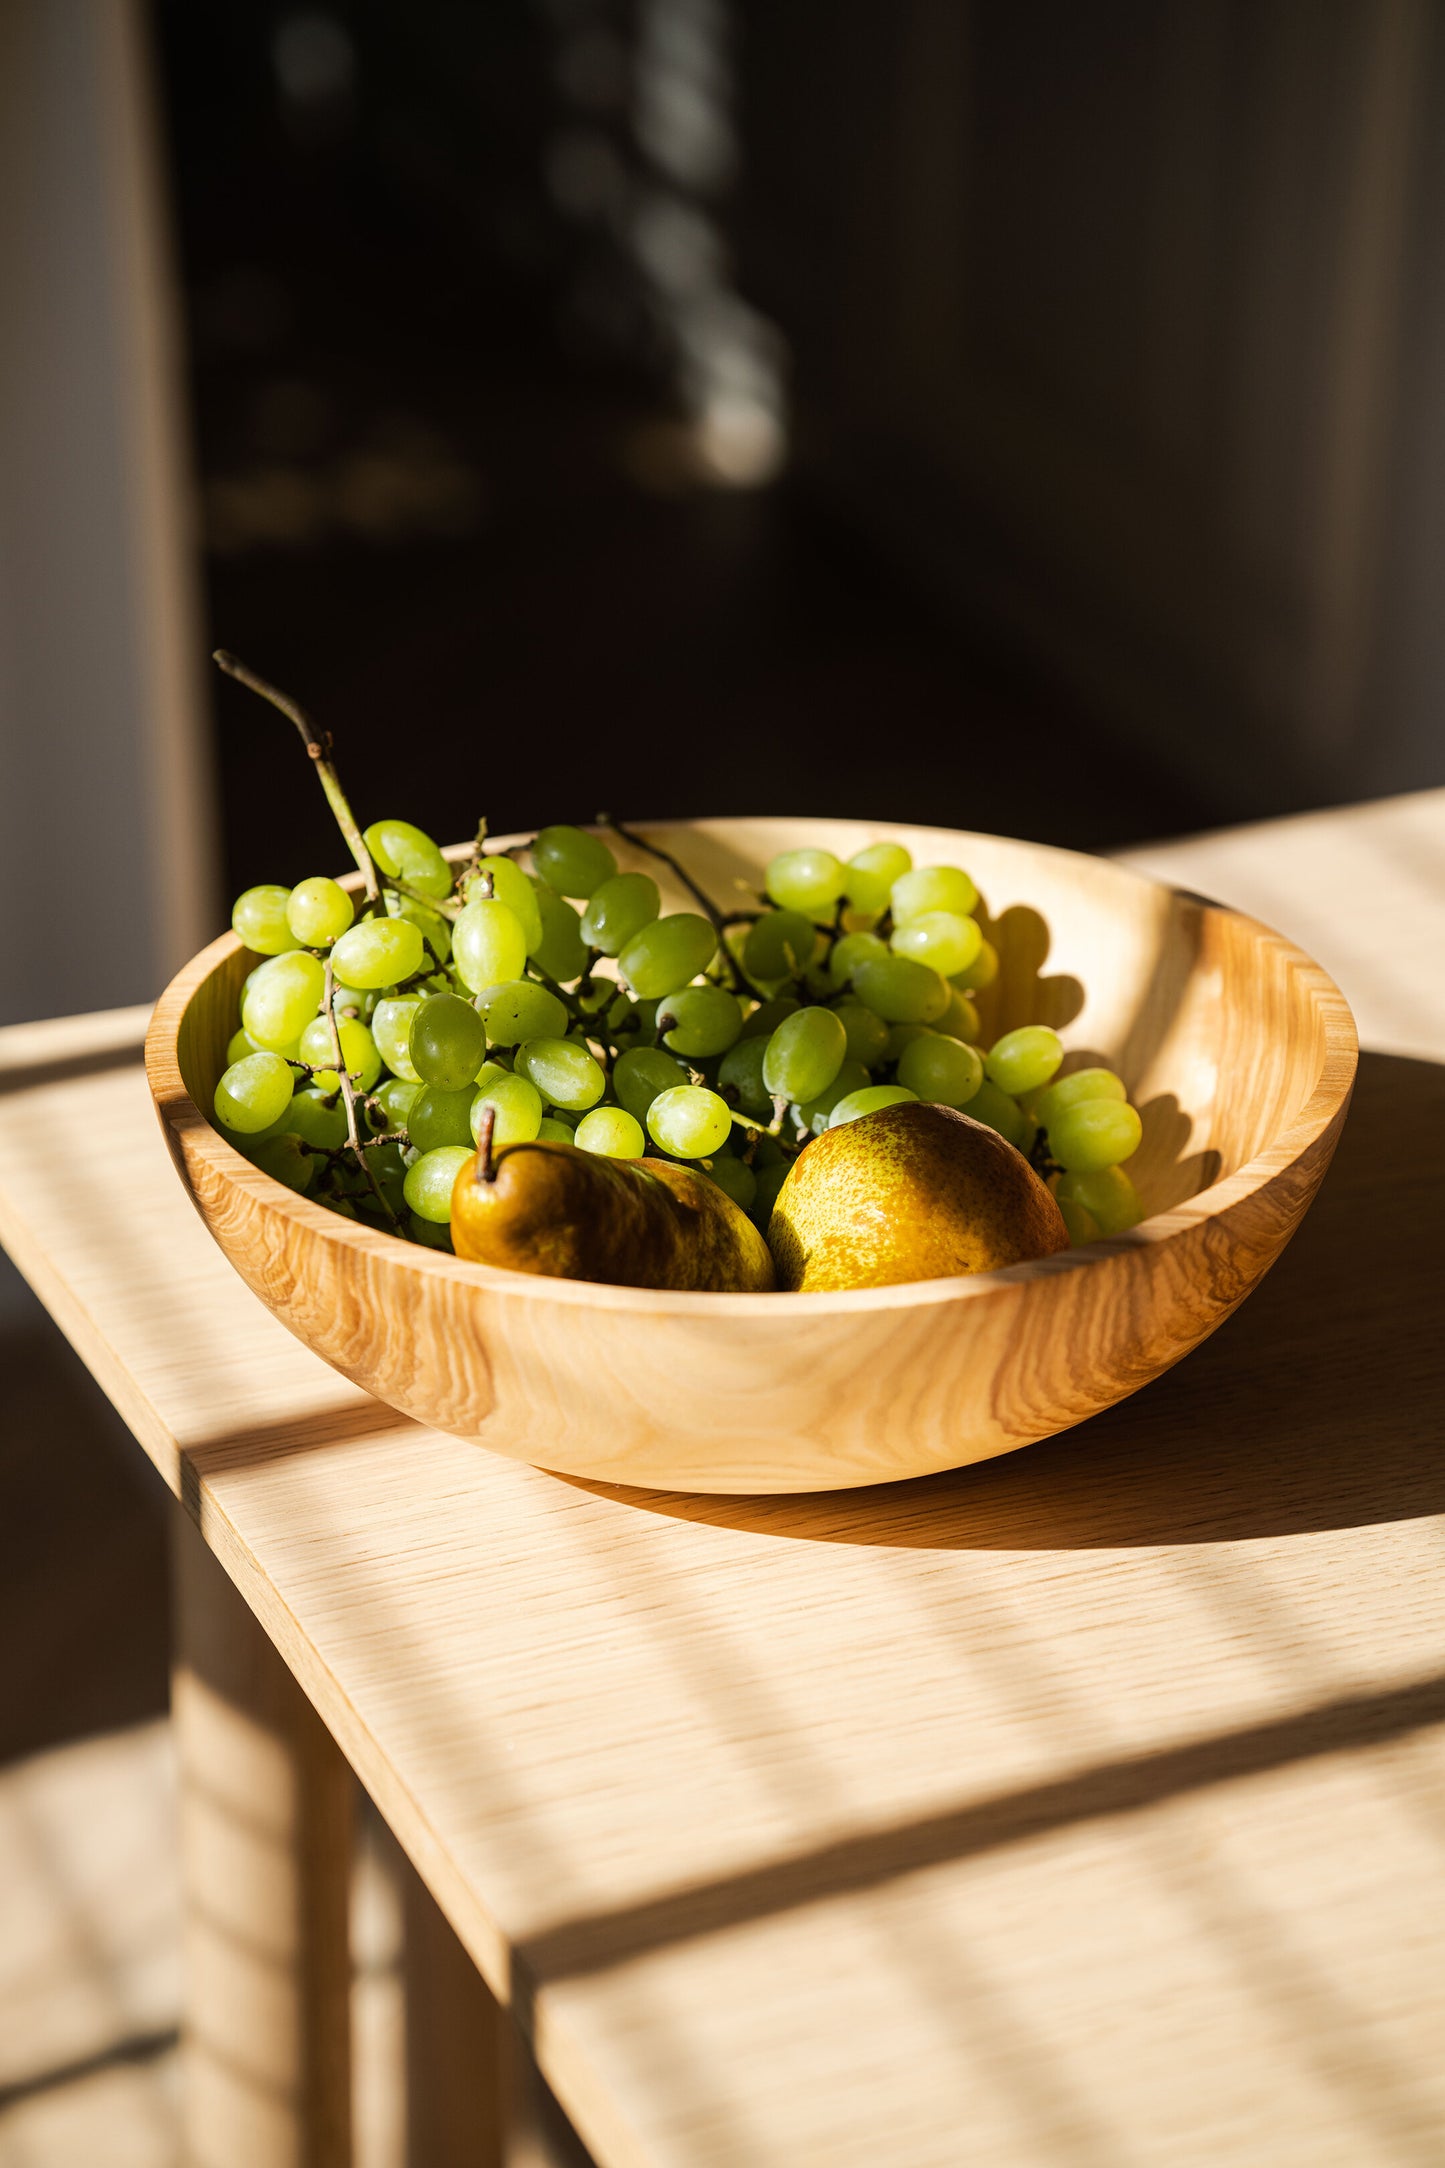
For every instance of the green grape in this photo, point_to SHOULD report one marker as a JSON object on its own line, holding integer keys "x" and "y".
{"x": 997, "y": 1111}
{"x": 1106, "y": 1194}
{"x": 804, "y": 1054}
{"x": 871, "y": 874}
{"x": 518, "y": 891}
{"x": 553, "y": 1132}
{"x": 639, "y": 1075}
{"x": 378, "y": 952}
{"x": 901, "y": 1036}
{"x": 438, "y": 1119}
{"x": 733, "y": 1178}
{"x": 960, "y": 1019}
{"x": 901, "y": 990}
{"x": 849, "y": 951}
{"x": 432, "y": 927}
{"x": 571, "y": 861}
{"x": 561, "y": 952}
{"x": 407, "y": 851}
{"x": 1022, "y": 1060}
{"x": 258, "y": 919}
{"x": 317, "y": 1117}
{"x": 287, "y": 1160}
{"x": 942, "y": 938}
{"x": 488, "y": 945}
{"x": 814, "y": 1113}
{"x": 431, "y": 1235}
{"x": 740, "y": 1079}
{"x": 809, "y": 881}
{"x": 396, "y": 1098}
{"x": 941, "y": 1070}
{"x": 865, "y": 1035}
{"x": 980, "y": 973}
{"x": 689, "y": 1122}
{"x": 563, "y": 1072}
{"x": 1082, "y": 1227}
{"x": 766, "y": 1017}
{"x": 612, "y": 1132}
{"x": 448, "y": 1042}
{"x": 705, "y": 1020}
{"x": 779, "y": 945}
{"x": 666, "y": 954}
{"x": 254, "y": 1093}
{"x": 281, "y": 999}
{"x": 431, "y": 1179}
{"x": 1094, "y": 1134}
{"x": 358, "y": 1050}
{"x": 516, "y": 1102}
{"x": 391, "y": 1029}
{"x": 520, "y": 1009}
{"x": 250, "y": 1141}
{"x": 869, "y": 1101}
{"x": 617, "y": 910}
{"x": 318, "y": 910}
{"x": 1068, "y": 1091}
{"x": 240, "y": 1044}
{"x": 932, "y": 888}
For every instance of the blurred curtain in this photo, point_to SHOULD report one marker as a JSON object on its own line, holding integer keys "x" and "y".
{"x": 106, "y": 870}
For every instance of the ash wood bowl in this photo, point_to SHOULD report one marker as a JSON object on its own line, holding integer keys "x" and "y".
{"x": 1238, "y": 1050}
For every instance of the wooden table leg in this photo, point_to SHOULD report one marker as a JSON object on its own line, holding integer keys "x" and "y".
{"x": 457, "y": 2109}
{"x": 266, "y": 1807}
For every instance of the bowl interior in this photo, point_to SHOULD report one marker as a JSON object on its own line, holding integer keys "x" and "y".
{"x": 1214, "y": 1023}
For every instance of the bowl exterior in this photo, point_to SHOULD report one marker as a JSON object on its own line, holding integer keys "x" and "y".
{"x": 766, "y": 1402}
{"x": 745, "y": 1394}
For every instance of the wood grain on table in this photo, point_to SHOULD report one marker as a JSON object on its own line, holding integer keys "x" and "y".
{"x": 1084, "y": 1807}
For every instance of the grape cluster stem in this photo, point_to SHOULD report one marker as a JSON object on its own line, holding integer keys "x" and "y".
{"x": 699, "y": 895}
{"x": 318, "y": 749}
{"x": 348, "y": 1095}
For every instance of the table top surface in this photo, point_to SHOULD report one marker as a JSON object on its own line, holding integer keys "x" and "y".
{"x": 1081, "y": 1807}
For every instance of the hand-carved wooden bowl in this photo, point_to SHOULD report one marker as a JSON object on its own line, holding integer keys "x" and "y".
{"x": 1238, "y": 1050}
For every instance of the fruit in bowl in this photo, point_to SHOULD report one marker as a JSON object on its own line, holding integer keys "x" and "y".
{"x": 1119, "y": 1021}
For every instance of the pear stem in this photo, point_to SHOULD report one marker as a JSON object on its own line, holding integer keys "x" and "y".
{"x": 486, "y": 1169}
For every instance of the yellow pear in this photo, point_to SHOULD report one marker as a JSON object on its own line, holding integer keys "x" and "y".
{"x": 911, "y": 1192}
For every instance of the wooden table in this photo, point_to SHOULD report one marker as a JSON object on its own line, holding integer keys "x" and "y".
{"x": 1084, "y": 1807}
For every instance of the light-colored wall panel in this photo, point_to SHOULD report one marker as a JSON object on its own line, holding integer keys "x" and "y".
{"x": 107, "y": 871}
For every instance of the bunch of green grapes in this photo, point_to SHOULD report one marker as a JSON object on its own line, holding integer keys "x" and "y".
{"x": 559, "y": 1001}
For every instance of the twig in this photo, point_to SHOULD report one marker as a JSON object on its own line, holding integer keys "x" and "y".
{"x": 755, "y": 1131}
{"x": 319, "y": 750}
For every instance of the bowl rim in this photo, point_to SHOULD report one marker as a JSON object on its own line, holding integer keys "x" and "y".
{"x": 179, "y": 1112}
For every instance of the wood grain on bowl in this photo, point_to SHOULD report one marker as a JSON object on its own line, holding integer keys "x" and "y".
{"x": 1239, "y": 1051}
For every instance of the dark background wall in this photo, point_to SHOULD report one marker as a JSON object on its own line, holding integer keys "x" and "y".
{"x": 1008, "y": 413}
{"x": 471, "y": 298}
